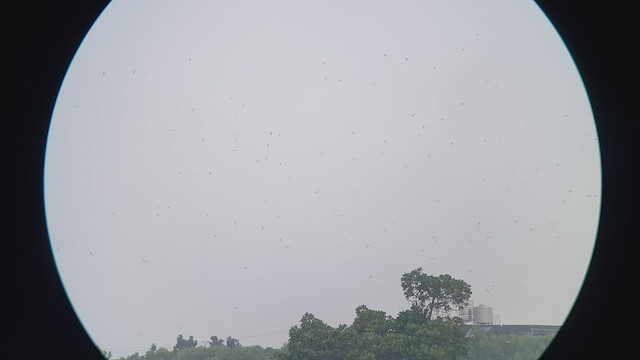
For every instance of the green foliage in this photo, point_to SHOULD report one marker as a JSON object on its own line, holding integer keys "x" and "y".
{"x": 106, "y": 354}
{"x": 313, "y": 340}
{"x": 135, "y": 356}
{"x": 244, "y": 353}
{"x": 215, "y": 341}
{"x": 437, "y": 339}
{"x": 434, "y": 296}
{"x": 195, "y": 353}
{"x": 507, "y": 347}
{"x": 158, "y": 354}
{"x": 181, "y": 343}
{"x": 371, "y": 337}
{"x": 190, "y": 351}
{"x": 232, "y": 342}
{"x": 407, "y": 317}
{"x": 371, "y": 321}
{"x": 426, "y": 331}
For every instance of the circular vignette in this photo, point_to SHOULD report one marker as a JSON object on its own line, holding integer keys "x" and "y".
{"x": 617, "y": 225}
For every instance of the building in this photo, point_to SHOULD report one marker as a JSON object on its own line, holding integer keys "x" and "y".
{"x": 500, "y": 330}
{"x": 465, "y": 311}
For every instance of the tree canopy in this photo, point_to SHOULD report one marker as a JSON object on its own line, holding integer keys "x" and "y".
{"x": 434, "y": 296}
{"x": 218, "y": 350}
{"x": 181, "y": 343}
{"x": 425, "y": 331}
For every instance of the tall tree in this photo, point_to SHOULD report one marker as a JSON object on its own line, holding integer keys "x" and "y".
{"x": 215, "y": 341}
{"x": 232, "y": 342}
{"x": 413, "y": 316}
{"x": 106, "y": 354}
{"x": 425, "y": 331}
{"x": 365, "y": 338}
{"x": 150, "y": 355}
{"x": 313, "y": 340}
{"x": 371, "y": 321}
{"x": 434, "y": 296}
{"x": 181, "y": 343}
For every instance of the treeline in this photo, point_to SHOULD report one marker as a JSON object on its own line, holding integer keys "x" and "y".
{"x": 480, "y": 347}
{"x": 427, "y": 330}
{"x": 215, "y": 349}
{"x": 507, "y": 347}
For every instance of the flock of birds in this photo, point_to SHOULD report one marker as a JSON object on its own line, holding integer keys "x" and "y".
{"x": 269, "y": 142}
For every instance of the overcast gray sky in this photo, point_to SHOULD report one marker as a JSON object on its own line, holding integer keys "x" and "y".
{"x": 223, "y": 167}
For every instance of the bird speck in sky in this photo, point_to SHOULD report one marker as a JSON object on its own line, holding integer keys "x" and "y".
{"x": 110, "y": 160}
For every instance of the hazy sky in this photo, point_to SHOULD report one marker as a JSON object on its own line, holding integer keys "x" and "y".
{"x": 223, "y": 167}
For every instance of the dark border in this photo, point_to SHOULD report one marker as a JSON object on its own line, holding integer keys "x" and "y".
{"x": 42, "y": 38}
{"x": 599, "y": 37}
